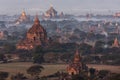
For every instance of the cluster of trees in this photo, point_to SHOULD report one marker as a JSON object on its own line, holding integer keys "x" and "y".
{"x": 3, "y": 75}
{"x": 34, "y": 71}
{"x": 100, "y": 75}
{"x": 64, "y": 52}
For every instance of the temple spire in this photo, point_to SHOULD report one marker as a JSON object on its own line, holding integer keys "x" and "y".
{"x": 76, "y": 57}
{"x": 116, "y": 43}
{"x": 36, "y": 21}
{"x": 23, "y": 14}
{"x": 51, "y": 6}
{"x": 76, "y": 66}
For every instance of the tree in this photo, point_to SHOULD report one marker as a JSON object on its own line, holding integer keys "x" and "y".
{"x": 114, "y": 77}
{"x": 39, "y": 49}
{"x": 78, "y": 77}
{"x": 99, "y": 44}
{"x": 9, "y": 56}
{"x": 85, "y": 48}
{"x": 38, "y": 58}
{"x": 18, "y": 76}
{"x": 25, "y": 56}
{"x": 9, "y": 47}
{"x": 51, "y": 57}
{"x": 3, "y": 75}
{"x": 35, "y": 70}
{"x": 103, "y": 73}
{"x": 2, "y": 58}
{"x": 66, "y": 57}
{"x": 92, "y": 73}
{"x": 99, "y": 47}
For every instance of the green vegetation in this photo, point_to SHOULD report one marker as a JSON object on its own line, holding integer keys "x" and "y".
{"x": 78, "y": 77}
{"x": 3, "y": 75}
{"x": 18, "y": 76}
{"x": 114, "y": 77}
{"x": 63, "y": 53}
{"x": 35, "y": 71}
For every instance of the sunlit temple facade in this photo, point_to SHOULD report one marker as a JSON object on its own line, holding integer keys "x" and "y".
{"x": 75, "y": 67}
{"x": 36, "y": 36}
{"x": 116, "y": 43}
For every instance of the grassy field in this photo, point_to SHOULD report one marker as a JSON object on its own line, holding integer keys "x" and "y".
{"x": 14, "y": 68}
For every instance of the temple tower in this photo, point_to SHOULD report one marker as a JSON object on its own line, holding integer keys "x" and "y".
{"x": 116, "y": 43}
{"x": 76, "y": 66}
{"x": 36, "y": 36}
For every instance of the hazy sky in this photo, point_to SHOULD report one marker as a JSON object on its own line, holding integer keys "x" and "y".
{"x": 67, "y": 6}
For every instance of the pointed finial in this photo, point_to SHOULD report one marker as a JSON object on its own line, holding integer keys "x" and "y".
{"x": 76, "y": 56}
{"x": 23, "y": 12}
{"x": 51, "y": 5}
{"x": 116, "y": 40}
{"x": 116, "y": 43}
{"x": 36, "y": 21}
{"x": 77, "y": 51}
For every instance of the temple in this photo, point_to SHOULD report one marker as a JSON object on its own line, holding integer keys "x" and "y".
{"x": 76, "y": 66}
{"x": 36, "y": 36}
{"x": 116, "y": 43}
{"x": 23, "y": 18}
{"x": 51, "y": 13}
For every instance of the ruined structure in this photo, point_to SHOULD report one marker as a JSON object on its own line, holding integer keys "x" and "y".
{"x": 76, "y": 66}
{"x": 36, "y": 36}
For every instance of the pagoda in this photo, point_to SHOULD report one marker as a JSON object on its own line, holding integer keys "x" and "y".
{"x": 51, "y": 13}
{"x": 116, "y": 43}
{"x": 75, "y": 67}
{"x": 23, "y": 18}
{"x": 36, "y": 36}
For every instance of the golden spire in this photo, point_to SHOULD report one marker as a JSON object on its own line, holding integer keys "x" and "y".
{"x": 77, "y": 57}
{"x": 116, "y": 43}
{"x": 36, "y": 21}
{"x": 51, "y": 6}
{"x": 23, "y": 13}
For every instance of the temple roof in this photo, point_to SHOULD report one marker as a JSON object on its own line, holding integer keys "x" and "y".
{"x": 51, "y": 10}
{"x": 23, "y": 13}
{"x": 37, "y": 27}
{"x": 36, "y": 20}
{"x": 77, "y": 57}
{"x": 23, "y": 18}
{"x": 116, "y": 43}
